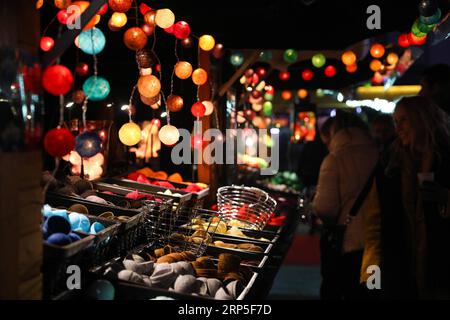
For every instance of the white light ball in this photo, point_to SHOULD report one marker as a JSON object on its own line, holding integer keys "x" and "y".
{"x": 169, "y": 135}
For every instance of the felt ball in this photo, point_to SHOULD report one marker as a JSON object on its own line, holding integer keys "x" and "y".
{"x": 96, "y": 88}
{"x": 82, "y": 186}
{"x": 57, "y": 80}
{"x": 59, "y": 239}
{"x": 174, "y": 103}
{"x": 97, "y": 199}
{"x": 348, "y": 58}
{"x": 88, "y": 144}
{"x": 79, "y": 222}
{"x": 101, "y": 290}
{"x": 130, "y": 134}
{"x": 96, "y": 227}
{"x": 57, "y": 224}
{"x": 79, "y": 208}
{"x": 59, "y": 142}
{"x": 74, "y": 237}
{"x": 135, "y": 38}
{"x": 120, "y": 5}
{"x": 92, "y": 41}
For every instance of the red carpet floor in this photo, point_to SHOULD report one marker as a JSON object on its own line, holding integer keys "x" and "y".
{"x": 305, "y": 250}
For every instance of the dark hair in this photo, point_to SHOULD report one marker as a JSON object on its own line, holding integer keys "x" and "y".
{"x": 344, "y": 120}
{"x": 325, "y": 129}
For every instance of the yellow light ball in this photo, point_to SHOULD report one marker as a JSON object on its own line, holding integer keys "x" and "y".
{"x": 149, "y": 86}
{"x": 130, "y": 134}
{"x": 164, "y": 18}
{"x": 183, "y": 70}
{"x": 168, "y": 135}
{"x": 118, "y": 19}
{"x": 206, "y": 42}
{"x": 392, "y": 58}
{"x": 348, "y": 58}
{"x": 199, "y": 76}
{"x": 209, "y": 107}
{"x": 302, "y": 93}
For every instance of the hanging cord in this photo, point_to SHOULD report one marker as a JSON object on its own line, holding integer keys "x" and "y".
{"x": 163, "y": 97}
{"x": 130, "y": 101}
{"x": 86, "y": 99}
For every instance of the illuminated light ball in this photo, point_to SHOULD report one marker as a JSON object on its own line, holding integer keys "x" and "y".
{"x": 62, "y": 16}
{"x": 416, "y": 30}
{"x": 62, "y": 4}
{"x": 206, "y": 42}
{"x": 143, "y": 8}
{"x": 286, "y": 95}
{"x": 135, "y": 38}
{"x": 318, "y": 60}
{"x": 249, "y": 73}
{"x": 209, "y": 106}
{"x": 249, "y": 114}
{"x": 47, "y": 43}
{"x": 290, "y": 55}
{"x": 375, "y": 65}
{"x": 77, "y": 41}
{"x": 261, "y": 71}
{"x": 147, "y": 29}
{"x": 39, "y": 4}
{"x": 252, "y": 100}
{"x": 120, "y": 5}
{"x": 236, "y": 59}
{"x": 377, "y": 50}
{"x": 256, "y": 94}
{"x": 403, "y": 40}
{"x": 149, "y": 101}
{"x": 92, "y": 41}
{"x": 269, "y": 89}
{"x": 198, "y": 109}
{"x": 149, "y": 18}
{"x": 257, "y": 107}
{"x": 255, "y": 79}
{"x": 240, "y": 118}
{"x": 83, "y": 5}
{"x": 145, "y": 71}
{"x": 284, "y": 75}
{"x": 187, "y": 43}
{"x": 78, "y": 96}
{"x": 197, "y": 141}
{"x": 218, "y": 51}
{"x": 265, "y": 56}
{"x": 103, "y": 9}
{"x": 258, "y": 122}
{"x": 183, "y": 70}
{"x": 157, "y": 104}
{"x": 307, "y": 75}
{"x": 112, "y": 27}
{"x": 82, "y": 69}
{"x": 158, "y": 68}
{"x": 268, "y": 96}
{"x": 169, "y": 135}
{"x": 330, "y": 71}
{"x": 377, "y": 79}
{"x": 351, "y": 68}
{"x": 130, "y": 134}
{"x": 302, "y": 93}
{"x": 57, "y": 80}
{"x": 59, "y": 142}
{"x": 427, "y": 7}
{"x": 181, "y": 30}
{"x": 149, "y": 86}
{"x": 433, "y": 19}
{"x": 267, "y": 108}
{"x": 392, "y": 58}
{"x": 199, "y": 76}
{"x": 348, "y": 58}
{"x": 320, "y": 93}
{"x": 416, "y": 41}
{"x": 164, "y": 18}
{"x": 96, "y": 88}
{"x": 174, "y": 103}
{"x": 88, "y": 144}
{"x": 118, "y": 19}
{"x": 169, "y": 30}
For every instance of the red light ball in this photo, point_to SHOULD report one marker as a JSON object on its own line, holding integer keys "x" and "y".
{"x": 57, "y": 80}
{"x": 181, "y": 30}
{"x": 186, "y": 43}
{"x": 198, "y": 109}
{"x": 82, "y": 69}
{"x": 284, "y": 75}
{"x": 403, "y": 40}
{"x": 62, "y": 16}
{"x": 120, "y": 5}
{"x": 256, "y": 94}
{"x": 330, "y": 71}
{"x": 307, "y": 75}
{"x": 47, "y": 44}
{"x": 270, "y": 89}
{"x": 147, "y": 29}
{"x": 218, "y": 51}
{"x": 416, "y": 41}
{"x": 59, "y": 142}
{"x": 261, "y": 72}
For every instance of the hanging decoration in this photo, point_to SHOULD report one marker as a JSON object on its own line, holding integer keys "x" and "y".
{"x": 307, "y": 75}
{"x": 206, "y": 42}
{"x": 135, "y": 38}
{"x": 218, "y": 51}
{"x": 120, "y": 5}
{"x": 96, "y": 88}
{"x": 47, "y": 44}
{"x": 82, "y": 69}
{"x": 83, "y": 5}
{"x": 403, "y": 40}
{"x": 169, "y": 135}
{"x": 290, "y": 56}
{"x": 284, "y": 75}
{"x": 181, "y": 30}
{"x": 352, "y": 68}
{"x": 88, "y": 144}
{"x": 183, "y": 70}
{"x": 302, "y": 93}
{"x": 149, "y": 86}
{"x": 92, "y": 41}
{"x": 265, "y": 56}
{"x": 78, "y": 96}
{"x": 286, "y": 95}
{"x": 198, "y": 109}
{"x": 318, "y": 60}
{"x": 59, "y": 142}
{"x": 375, "y": 65}
{"x": 57, "y": 80}
{"x": 237, "y": 59}
{"x": 348, "y": 58}
{"x": 330, "y": 71}
{"x": 118, "y": 20}
{"x": 199, "y": 76}
{"x": 209, "y": 107}
{"x": 392, "y": 58}
{"x": 377, "y": 50}
{"x": 164, "y": 18}
{"x": 174, "y": 103}
{"x": 130, "y": 134}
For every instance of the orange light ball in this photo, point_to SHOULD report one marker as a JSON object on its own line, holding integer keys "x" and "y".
{"x": 375, "y": 65}
{"x": 351, "y": 68}
{"x": 135, "y": 38}
{"x": 118, "y": 19}
{"x": 83, "y": 5}
{"x": 348, "y": 58}
{"x": 149, "y": 18}
{"x": 377, "y": 50}
{"x": 149, "y": 101}
{"x": 392, "y": 58}
{"x": 199, "y": 76}
{"x": 149, "y": 86}
{"x": 302, "y": 93}
{"x": 206, "y": 42}
{"x": 78, "y": 96}
{"x": 286, "y": 95}
{"x": 164, "y": 18}
{"x": 174, "y": 103}
{"x": 62, "y": 4}
{"x": 120, "y": 5}
{"x": 183, "y": 70}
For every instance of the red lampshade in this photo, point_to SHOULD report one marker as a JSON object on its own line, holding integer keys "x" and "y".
{"x": 182, "y": 30}
{"x": 403, "y": 40}
{"x": 261, "y": 72}
{"x": 47, "y": 43}
{"x": 57, "y": 80}
{"x": 59, "y": 142}
{"x": 198, "y": 109}
{"x": 330, "y": 71}
{"x": 62, "y": 16}
{"x": 416, "y": 41}
{"x": 143, "y": 8}
{"x": 307, "y": 75}
{"x": 284, "y": 75}
{"x": 377, "y": 50}
{"x": 82, "y": 69}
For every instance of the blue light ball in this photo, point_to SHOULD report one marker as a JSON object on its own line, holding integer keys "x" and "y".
{"x": 101, "y": 290}
{"x": 92, "y": 41}
{"x": 79, "y": 222}
{"x": 59, "y": 239}
{"x": 88, "y": 144}
{"x": 237, "y": 59}
{"x": 96, "y": 227}
{"x": 56, "y": 224}
{"x": 96, "y": 88}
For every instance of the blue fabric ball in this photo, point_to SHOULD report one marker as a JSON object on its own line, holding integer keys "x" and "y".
{"x": 96, "y": 227}
{"x": 47, "y": 211}
{"x": 74, "y": 237}
{"x": 88, "y": 144}
{"x": 79, "y": 222}
{"x": 57, "y": 224}
{"x": 59, "y": 239}
{"x": 101, "y": 290}
{"x": 96, "y": 88}
{"x": 92, "y": 41}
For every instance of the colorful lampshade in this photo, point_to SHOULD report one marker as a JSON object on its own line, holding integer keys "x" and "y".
{"x": 183, "y": 70}
{"x": 199, "y": 76}
{"x": 47, "y": 43}
{"x": 377, "y": 50}
{"x": 59, "y": 142}
{"x": 348, "y": 58}
{"x": 57, "y": 80}
{"x": 164, "y": 18}
{"x": 96, "y": 88}
{"x": 174, "y": 103}
{"x": 149, "y": 86}
{"x": 120, "y": 5}
{"x": 92, "y": 41}
{"x": 318, "y": 60}
{"x": 168, "y": 135}
{"x": 206, "y": 42}
{"x": 135, "y": 38}
{"x": 88, "y": 144}
{"x": 130, "y": 134}
{"x": 237, "y": 59}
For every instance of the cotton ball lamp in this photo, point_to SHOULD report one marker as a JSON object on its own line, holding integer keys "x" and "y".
{"x": 209, "y": 106}
{"x": 183, "y": 70}
{"x": 199, "y": 76}
{"x": 135, "y": 38}
{"x": 47, "y": 43}
{"x": 149, "y": 86}
{"x": 149, "y": 18}
{"x": 130, "y": 134}
{"x": 92, "y": 41}
{"x": 168, "y": 135}
{"x": 206, "y": 42}
{"x": 164, "y": 18}
{"x": 181, "y": 30}
{"x": 62, "y": 4}
{"x": 187, "y": 43}
{"x": 149, "y": 101}
{"x": 88, "y": 144}
{"x": 82, "y": 69}
{"x": 318, "y": 60}
{"x": 198, "y": 109}
{"x": 174, "y": 103}
{"x": 236, "y": 59}
{"x": 59, "y": 142}
{"x": 348, "y": 58}
{"x": 120, "y": 5}
{"x": 290, "y": 55}
{"x": 377, "y": 50}
{"x": 118, "y": 20}
{"x": 330, "y": 71}
{"x": 96, "y": 88}
{"x": 57, "y": 80}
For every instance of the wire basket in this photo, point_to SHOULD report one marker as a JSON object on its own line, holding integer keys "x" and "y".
{"x": 245, "y": 207}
